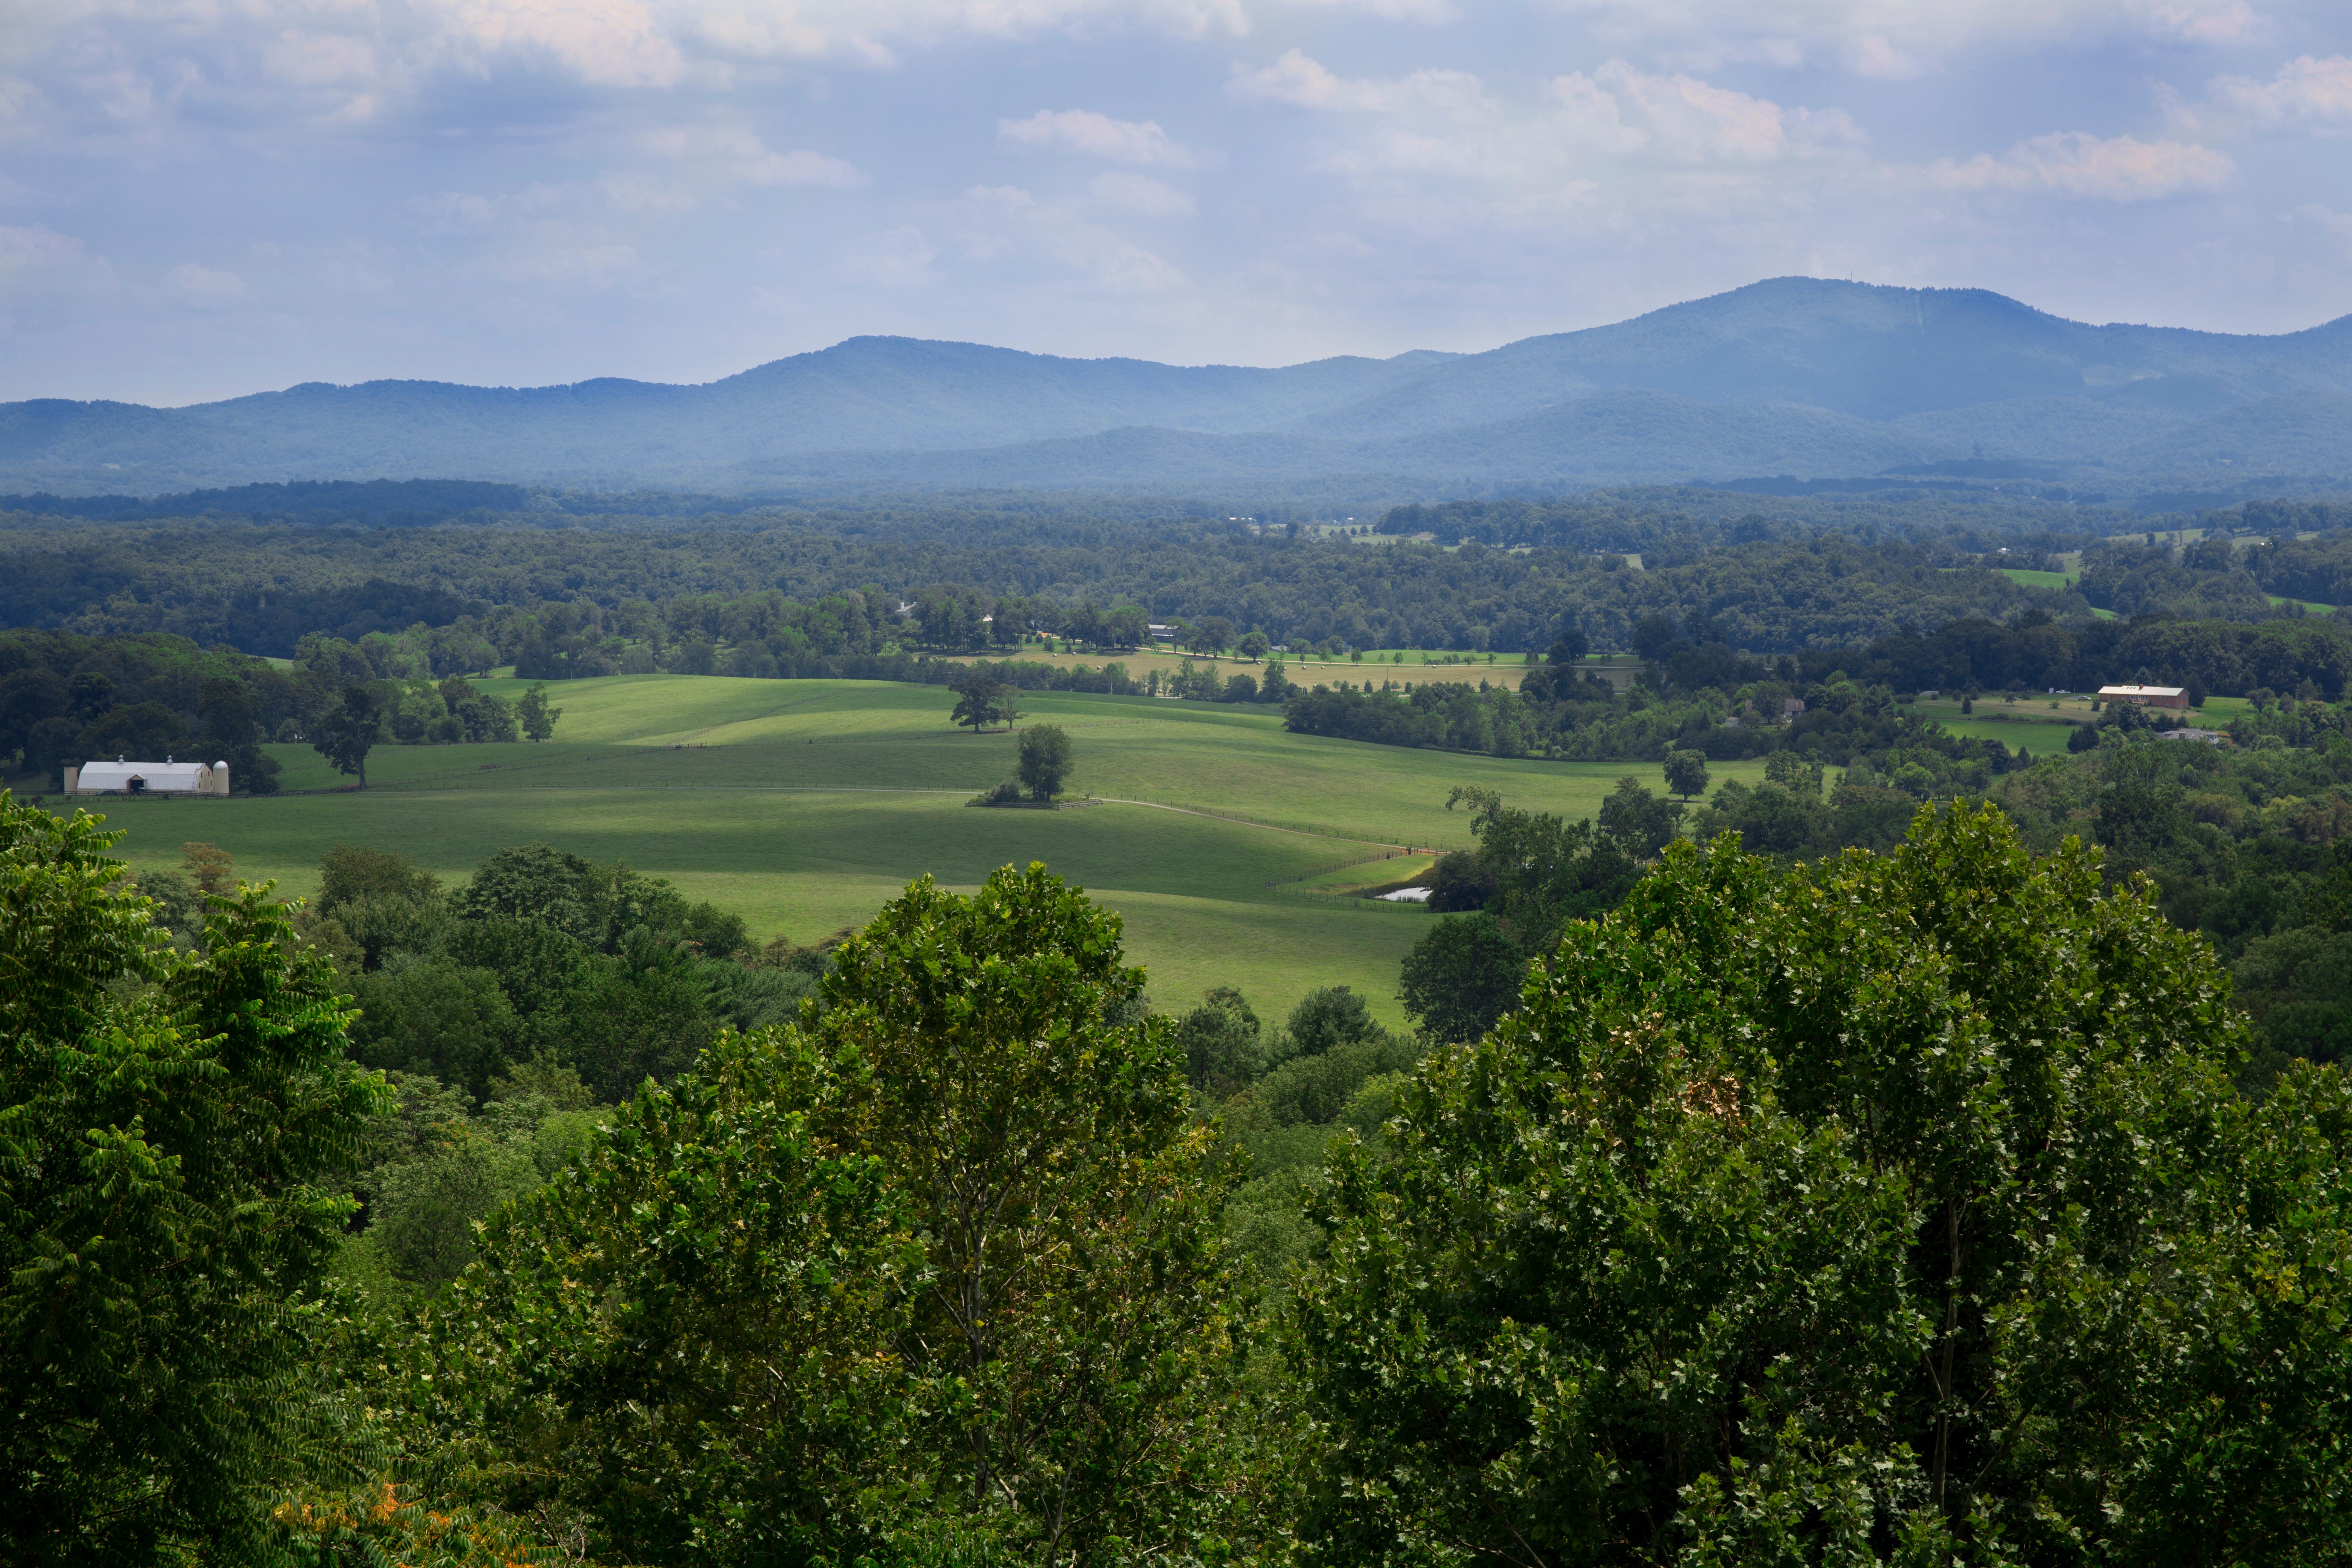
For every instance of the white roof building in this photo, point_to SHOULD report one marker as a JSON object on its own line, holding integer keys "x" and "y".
{"x": 170, "y": 776}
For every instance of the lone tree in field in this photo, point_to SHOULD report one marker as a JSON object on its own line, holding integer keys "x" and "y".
{"x": 1045, "y": 759}
{"x": 347, "y": 732}
{"x": 1253, "y": 646}
{"x": 537, "y": 717}
{"x": 1686, "y": 772}
{"x": 982, "y": 702}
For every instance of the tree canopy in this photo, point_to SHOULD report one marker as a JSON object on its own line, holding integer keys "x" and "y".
{"x": 1900, "y": 1209}
{"x": 178, "y": 1132}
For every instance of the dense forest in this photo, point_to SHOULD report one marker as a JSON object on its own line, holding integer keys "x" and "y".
{"x": 1776, "y": 575}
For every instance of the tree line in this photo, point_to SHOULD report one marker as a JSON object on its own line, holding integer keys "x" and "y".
{"x": 661, "y": 586}
{"x": 67, "y": 698}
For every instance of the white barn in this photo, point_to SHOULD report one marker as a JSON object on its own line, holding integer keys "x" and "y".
{"x": 170, "y": 776}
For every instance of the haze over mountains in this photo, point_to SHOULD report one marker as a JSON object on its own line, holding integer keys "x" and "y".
{"x": 1793, "y": 377}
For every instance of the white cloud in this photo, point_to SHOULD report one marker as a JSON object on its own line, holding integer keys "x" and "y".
{"x": 1005, "y": 223}
{"x": 1140, "y": 193}
{"x": 555, "y": 255}
{"x": 1896, "y": 39}
{"x": 197, "y": 285}
{"x": 1100, "y": 136}
{"x": 108, "y": 73}
{"x": 1691, "y": 122}
{"x": 36, "y": 248}
{"x": 36, "y": 262}
{"x": 1394, "y": 10}
{"x": 2306, "y": 92}
{"x": 1447, "y": 123}
{"x": 896, "y": 259}
{"x": 2334, "y": 228}
{"x": 1308, "y": 84}
{"x": 604, "y": 42}
{"x": 2074, "y": 163}
{"x": 734, "y": 154}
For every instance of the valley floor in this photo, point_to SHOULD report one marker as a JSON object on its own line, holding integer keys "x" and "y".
{"x": 805, "y": 805}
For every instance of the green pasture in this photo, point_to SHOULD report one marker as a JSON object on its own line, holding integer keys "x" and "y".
{"x": 2031, "y": 721}
{"x": 805, "y": 805}
{"x": 2034, "y": 579}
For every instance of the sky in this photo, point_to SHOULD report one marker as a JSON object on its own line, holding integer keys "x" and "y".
{"x": 204, "y": 199}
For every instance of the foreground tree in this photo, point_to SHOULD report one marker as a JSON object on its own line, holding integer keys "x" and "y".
{"x": 937, "y": 1263}
{"x": 1899, "y": 1209}
{"x": 176, "y": 1135}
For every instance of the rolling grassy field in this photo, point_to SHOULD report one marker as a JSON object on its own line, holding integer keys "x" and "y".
{"x": 805, "y": 805}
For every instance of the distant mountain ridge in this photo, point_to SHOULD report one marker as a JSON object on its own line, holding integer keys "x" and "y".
{"x": 1803, "y": 376}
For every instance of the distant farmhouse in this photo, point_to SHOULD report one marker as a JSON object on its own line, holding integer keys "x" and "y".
{"x": 2147, "y": 696}
{"x": 170, "y": 776}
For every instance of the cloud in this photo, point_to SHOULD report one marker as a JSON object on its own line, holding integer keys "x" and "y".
{"x": 2333, "y": 229}
{"x": 1448, "y": 123}
{"x": 36, "y": 262}
{"x": 1688, "y": 120}
{"x": 554, "y": 255}
{"x": 1896, "y": 39}
{"x": 2307, "y": 92}
{"x": 120, "y": 74}
{"x": 1393, "y": 10}
{"x": 896, "y": 259}
{"x": 1140, "y": 193}
{"x": 734, "y": 154}
{"x": 1006, "y": 223}
{"x": 2075, "y": 164}
{"x": 36, "y": 248}
{"x": 197, "y": 285}
{"x": 604, "y": 42}
{"x": 1099, "y": 136}
{"x": 1307, "y": 84}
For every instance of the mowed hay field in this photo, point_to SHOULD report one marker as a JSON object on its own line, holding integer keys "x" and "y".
{"x": 805, "y": 805}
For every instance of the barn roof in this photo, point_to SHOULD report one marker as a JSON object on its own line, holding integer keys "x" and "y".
{"x": 165, "y": 775}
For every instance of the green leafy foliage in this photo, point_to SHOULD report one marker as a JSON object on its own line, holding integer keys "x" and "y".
{"x": 176, "y": 1133}
{"x": 942, "y": 1252}
{"x": 1045, "y": 759}
{"x": 1462, "y": 977}
{"x": 1898, "y": 1210}
{"x": 536, "y": 714}
{"x": 347, "y": 732}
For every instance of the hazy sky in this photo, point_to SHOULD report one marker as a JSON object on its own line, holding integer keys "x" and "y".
{"x": 200, "y": 198}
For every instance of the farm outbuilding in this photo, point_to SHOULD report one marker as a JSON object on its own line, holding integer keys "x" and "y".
{"x": 170, "y": 776}
{"x": 2147, "y": 696}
